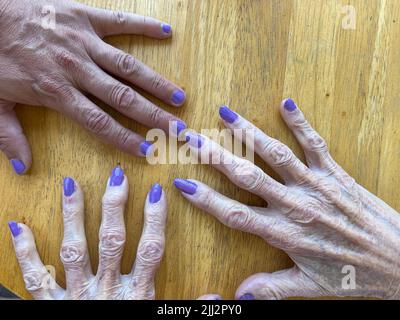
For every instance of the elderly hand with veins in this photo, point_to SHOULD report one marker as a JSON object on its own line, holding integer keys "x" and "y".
{"x": 57, "y": 67}
{"x": 108, "y": 283}
{"x": 320, "y": 216}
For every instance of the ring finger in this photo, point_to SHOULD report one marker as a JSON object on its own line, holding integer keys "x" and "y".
{"x": 136, "y": 72}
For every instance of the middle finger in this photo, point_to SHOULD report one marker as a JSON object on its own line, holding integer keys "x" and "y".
{"x": 112, "y": 231}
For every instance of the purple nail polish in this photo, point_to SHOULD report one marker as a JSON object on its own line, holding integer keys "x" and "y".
{"x": 69, "y": 186}
{"x": 145, "y": 147}
{"x": 178, "y": 97}
{"x": 14, "y": 228}
{"x": 166, "y": 28}
{"x": 185, "y": 186}
{"x": 18, "y": 165}
{"x": 155, "y": 193}
{"x": 247, "y": 296}
{"x": 194, "y": 140}
{"x": 227, "y": 114}
{"x": 290, "y": 105}
{"x": 180, "y": 126}
{"x": 117, "y": 177}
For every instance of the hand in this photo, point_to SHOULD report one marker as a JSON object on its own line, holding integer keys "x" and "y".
{"x": 56, "y": 67}
{"x": 108, "y": 283}
{"x": 343, "y": 240}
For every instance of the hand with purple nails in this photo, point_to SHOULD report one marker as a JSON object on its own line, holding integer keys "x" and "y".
{"x": 108, "y": 282}
{"x": 343, "y": 240}
{"x": 57, "y": 59}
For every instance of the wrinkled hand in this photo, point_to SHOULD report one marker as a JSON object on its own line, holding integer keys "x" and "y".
{"x": 108, "y": 283}
{"x": 56, "y": 67}
{"x": 331, "y": 227}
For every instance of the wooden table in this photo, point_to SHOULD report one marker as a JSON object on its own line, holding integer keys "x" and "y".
{"x": 249, "y": 54}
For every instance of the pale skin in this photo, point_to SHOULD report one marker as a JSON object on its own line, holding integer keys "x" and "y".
{"x": 108, "y": 283}
{"x": 57, "y": 67}
{"x": 319, "y": 216}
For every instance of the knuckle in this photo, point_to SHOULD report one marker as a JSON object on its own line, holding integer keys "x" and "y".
{"x": 51, "y": 88}
{"x": 158, "y": 82}
{"x": 119, "y": 18}
{"x": 123, "y": 136}
{"x": 73, "y": 253}
{"x": 66, "y": 60}
{"x": 151, "y": 251}
{"x": 279, "y": 154}
{"x": 316, "y": 143}
{"x": 121, "y": 96}
{"x": 113, "y": 200}
{"x": 24, "y": 252}
{"x": 305, "y": 213}
{"x": 112, "y": 243}
{"x": 155, "y": 115}
{"x": 35, "y": 281}
{"x": 129, "y": 66}
{"x": 96, "y": 121}
{"x": 247, "y": 176}
{"x": 238, "y": 217}
{"x": 5, "y": 142}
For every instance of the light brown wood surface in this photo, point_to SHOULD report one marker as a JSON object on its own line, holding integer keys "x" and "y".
{"x": 249, "y": 54}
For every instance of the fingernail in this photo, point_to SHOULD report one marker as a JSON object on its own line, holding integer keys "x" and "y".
{"x": 18, "y": 166}
{"x": 227, "y": 114}
{"x": 290, "y": 105}
{"x": 180, "y": 126}
{"x": 14, "y": 228}
{"x": 194, "y": 140}
{"x": 145, "y": 147}
{"x": 69, "y": 186}
{"x": 247, "y": 296}
{"x": 117, "y": 177}
{"x": 166, "y": 28}
{"x": 155, "y": 193}
{"x": 178, "y": 97}
{"x": 186, "y": 186}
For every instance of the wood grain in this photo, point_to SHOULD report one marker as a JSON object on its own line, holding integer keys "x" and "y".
{"x": 250, "y": 55}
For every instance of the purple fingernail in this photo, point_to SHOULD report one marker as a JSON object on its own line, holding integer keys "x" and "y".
{"x": 117, "y": 177}
{"x": 166, "y": 28}
{"x": 178, "y": 97}
{"x": 155, "y": 193}
{"x": 145, "y": 147}
{"x": 14, "y": 228}
{"x": 290, "y": 105}
{"x": 69, "y": 186}
{"x": 247, "y": 296}
{"x": 227, "y": 114}
{"x": 185, "y": 186}
{"x": 18, "y": 165}
{"x": 180, "y": 126}
{"x": 194, "y": 140}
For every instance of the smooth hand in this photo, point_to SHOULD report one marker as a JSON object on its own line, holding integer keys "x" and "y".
{"x": 52, "y": 54}
{"x": 343, "y": 240}
{"x": 108, "y": 283}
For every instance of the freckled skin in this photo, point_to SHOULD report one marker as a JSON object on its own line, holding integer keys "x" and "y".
{"x": 108, "y": 283}
{"x": 319, "y": 216}
{"x": 57, "y": 65}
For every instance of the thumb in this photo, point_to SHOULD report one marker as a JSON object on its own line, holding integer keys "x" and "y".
{"x": 12, "y": 139}
{"x": 279, "y": 285}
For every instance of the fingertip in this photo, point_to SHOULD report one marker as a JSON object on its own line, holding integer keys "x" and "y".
{"x": 248, "y": 288}
{"x": 210, "y": 297}
{"x": 18, "y": 166}
{"x": 155, "y": 193}
{"x": 166, "y": 29}
{"x": 178, "y": 97}
{"x": 14, "y": 228}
